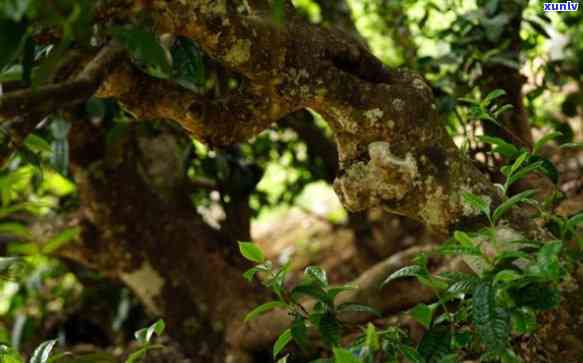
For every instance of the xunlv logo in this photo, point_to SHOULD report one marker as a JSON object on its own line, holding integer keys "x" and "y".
{"x": 568, "y": 6}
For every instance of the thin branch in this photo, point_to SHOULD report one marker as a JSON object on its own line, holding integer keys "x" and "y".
{"x": 47, "y": 99}
{"x": 21, "y": 111}
{"x": 394, "y": 297}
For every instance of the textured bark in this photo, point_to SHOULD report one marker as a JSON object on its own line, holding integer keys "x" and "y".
{"x": 393, "y": 151}
{"x": 393, "y": 154}
{"x": 139, "y": 226}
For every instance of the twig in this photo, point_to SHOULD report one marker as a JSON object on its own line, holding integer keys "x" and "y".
{"x": 22, "y": 110}
{"x": 47, "y": 99}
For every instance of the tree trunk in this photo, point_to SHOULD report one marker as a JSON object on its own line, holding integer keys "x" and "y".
{"x": 139, "y": 226}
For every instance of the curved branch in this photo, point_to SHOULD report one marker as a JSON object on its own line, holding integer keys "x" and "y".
{"x": 237, "y": 116}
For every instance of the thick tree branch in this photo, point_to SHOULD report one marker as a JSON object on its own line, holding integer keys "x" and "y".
{"x": 393, "y": 151}
{"x": 236, "y": 116}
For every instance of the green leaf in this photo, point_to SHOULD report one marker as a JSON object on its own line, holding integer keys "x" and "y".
{"x": 11, "y": 39}
{"x": 140, "y": 353}
{"x": 277, "y": 282}
{"x": 463, "y": 286}
{"x": 537, "y": 296}
{"x": 460, "y": 283}
{"x": 548, "y": 265}
{"x": 524, "y": 321}
{"x": 502, "y": 147}
{"x": 278, "y": 11}
{"x": 435, "y": 344}
{"x": 13, "y": 229}
{"x": 550, "y": 170}
{"x": 543, "y": 140}
{"x": 281, "y": 342}
{"x": 317, "y": 274}
{"x": 507, "y": 275}
{"x": 522, "y": 173}
{"x": 329, "y": 328}
{"x": 517, "y": 163}
{"x": 574, "y": 221}
{"x": 407, "y": 271}
{"x": 450, "y": 358}
{"x": 264, "y": 267}
{"x": 299, "y": 332}
{"x": 251, "y": 252}
{"x": 423, "y": 314}
{"x": 145, "y": 335}
{"x": 411, "y": 354}
{"x": 372, "y": 341}
{"x": 334, "y": 291}
{"x": 512, "y": 201}
{"x": 263, "y": 308}
{"x": 357, "y": 308}
{"x": 42, "y": 353}
{"x": 189, "y": 64}
{"x": 66, "y": 236}
{"x": 491, "y": 323}
{"x": 463, "y": 238}
{"x": 98, "y": 357}
{"x": 508, "y": 356}
{"x": 12, "y": 73}
{"x": 456, "y": 249}
{"x": 60, "y": 146}
{"x": 342, "y": 355}
{"x": 572, "y": 145}
{"x": 313, "y": 290}
{"x": 501, "y": 110}
{"x": 9, "y": 355}
{"x": 492, "y": 96}
{"x": 143, "y": 45}
{"x": 95, "y": 108}
{"x": 12, "y": 268}
{"x": 493, "y": 27}
{"x": 538, "y": 28}
{"x": 37, "y": 144}
{"x": 14, "y": 9}
{"x": 462, "y": 339}
{"x": 506, "y": 61}
{"x": 477, "y": 202}
{"x": 250, "y": 273}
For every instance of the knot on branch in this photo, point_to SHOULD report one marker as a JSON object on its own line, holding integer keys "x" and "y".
{"x": 385, "y": 177}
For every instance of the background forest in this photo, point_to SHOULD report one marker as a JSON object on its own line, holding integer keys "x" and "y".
{"x": 290, "y": 181}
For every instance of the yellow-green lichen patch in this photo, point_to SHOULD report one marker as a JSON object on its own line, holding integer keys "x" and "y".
{"x": 398, "y": 104}
{"x": 147, "y": 283}
{"x": 218, "y": 7}
{"x": 384, "y": 177}
{"x": 373, "y": 116}
{"x": 434, "y": 211}
{"x": 239, "y": 53}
